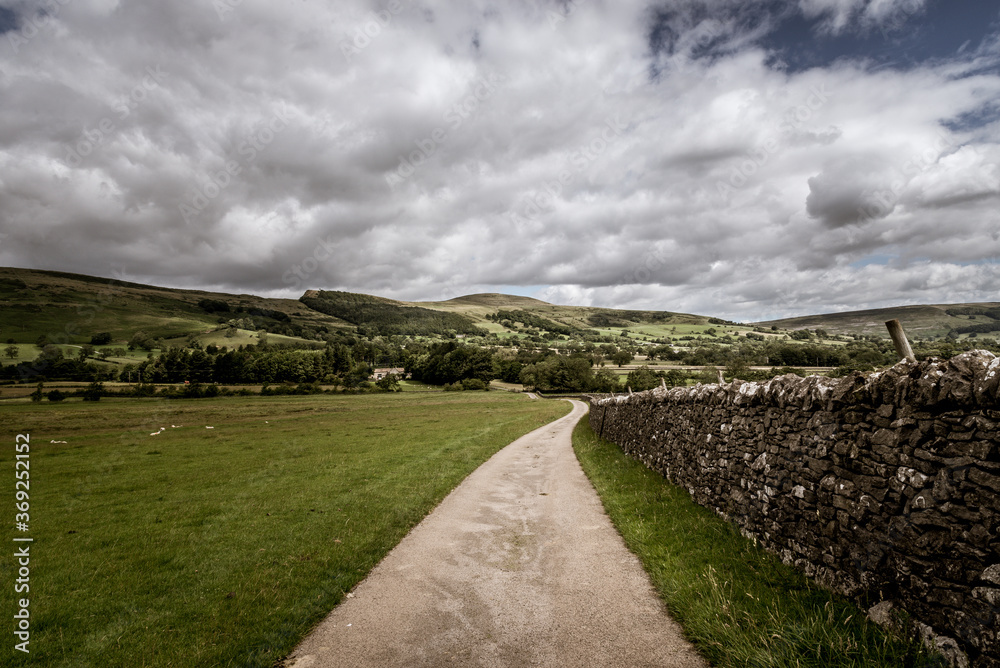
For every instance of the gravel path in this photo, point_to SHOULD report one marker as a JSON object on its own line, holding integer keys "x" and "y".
{"x": 518, "y": 566}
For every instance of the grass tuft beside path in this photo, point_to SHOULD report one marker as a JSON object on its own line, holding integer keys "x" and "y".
{"x": 739, "y": 604}
{"x": 224, "y": 546}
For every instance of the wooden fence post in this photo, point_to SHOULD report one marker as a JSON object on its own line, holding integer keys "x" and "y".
{"x": 899, "y": 340}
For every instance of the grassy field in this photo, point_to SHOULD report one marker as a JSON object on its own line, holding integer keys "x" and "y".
{"x": 224, "y": 546}
{"x": 241, "y": 337}
{"x": 417, "y": 386}
{"x": 28, "y": 352}
{"x": 739, "y": 604}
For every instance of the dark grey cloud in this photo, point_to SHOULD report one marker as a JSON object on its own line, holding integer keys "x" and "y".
{"x": 843, "y": 193}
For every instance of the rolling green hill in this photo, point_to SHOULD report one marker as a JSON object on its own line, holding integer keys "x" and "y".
{"x": 377, "y": 315}
{"x": 920, "y": 321}
{"x": 71, "y": 308}
{"x": 478, "y": 307}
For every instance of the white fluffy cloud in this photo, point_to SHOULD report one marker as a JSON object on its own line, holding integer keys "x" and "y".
{"x": 424, "y": 149}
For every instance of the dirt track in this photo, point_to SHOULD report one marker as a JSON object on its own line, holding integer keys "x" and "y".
{"x": 518, "y": 566}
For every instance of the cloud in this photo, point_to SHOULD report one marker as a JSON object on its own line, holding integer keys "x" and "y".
{"x": 844, "y": 193}
{"x": 618, "y": 155}
{"x": 837, "y": 16}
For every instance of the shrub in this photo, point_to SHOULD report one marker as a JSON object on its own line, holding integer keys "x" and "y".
{"x": 389, "y": 383}
{"x": 56, "y": 395}
{"x": 94, "y": 392}
{"x": 144, "y": 390}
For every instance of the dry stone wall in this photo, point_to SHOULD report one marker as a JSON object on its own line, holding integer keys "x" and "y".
{"x": 883, "y": 486}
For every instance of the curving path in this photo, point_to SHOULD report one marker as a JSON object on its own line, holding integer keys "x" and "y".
{"x": 518, "y": 566}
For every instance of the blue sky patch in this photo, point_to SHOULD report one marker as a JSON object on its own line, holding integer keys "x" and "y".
{"x": 8, "y": 20}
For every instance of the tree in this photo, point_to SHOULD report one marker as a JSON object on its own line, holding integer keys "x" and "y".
{"x": 389, "y": 383}
{"x": 86, "y": 350}
{"x": 737, "y": 368}
{"x": 213, "y": 306}
{"x": 558, "y": 373}
{"x": 606, "y": 380}
{"x": 708, "y": 375}
{"x": 50, "y": 353}
{"x": 140, "y": 340}
{"x": 642, "y": 378}
{"x": 621, "y": 357}
{"x": 38, "y": 393}
{"x": 55, "y": 395}
{"x": 675, "y": 378}
{"x": 357, "y": 375}
{"x": 102, "y": 339}
{"x": 11, "y": 351}
{"x": 200, "y": 366}
{"x": 94, "y": 392}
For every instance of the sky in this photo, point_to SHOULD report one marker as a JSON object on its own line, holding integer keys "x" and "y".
{"x": 747, "y": 160}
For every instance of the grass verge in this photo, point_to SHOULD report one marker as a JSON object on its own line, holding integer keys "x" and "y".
{"x": 224, "y": 546}
{"x": 737, "y": 603}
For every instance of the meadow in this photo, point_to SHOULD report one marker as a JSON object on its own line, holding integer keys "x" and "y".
{"x": 224, "y": 538}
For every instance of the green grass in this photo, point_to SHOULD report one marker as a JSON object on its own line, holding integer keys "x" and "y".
{"x": 25, "y": 322}
{"x": 738, "y": 604}
{"x": 242, "y": 337}
{"x": 224, "y": 546}
{"x": 417, "y": 386}
{"x": 29, "y": 352}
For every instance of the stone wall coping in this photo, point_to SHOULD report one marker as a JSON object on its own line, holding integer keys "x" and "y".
{"x": 969, "y": 380}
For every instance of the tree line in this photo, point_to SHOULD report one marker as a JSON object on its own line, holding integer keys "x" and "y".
{"x": 347, "y": 360}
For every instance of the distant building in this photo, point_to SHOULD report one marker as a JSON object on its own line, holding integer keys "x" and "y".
{"x": 379, "y": 374}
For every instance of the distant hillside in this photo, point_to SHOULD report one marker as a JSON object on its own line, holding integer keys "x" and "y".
{"x": 488, "y": 300}
{"x": 480, "y": 307}
{"x": 71, "y": 308}
{"x": 919, "y": 321}
{"x": 386, "y": 317}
